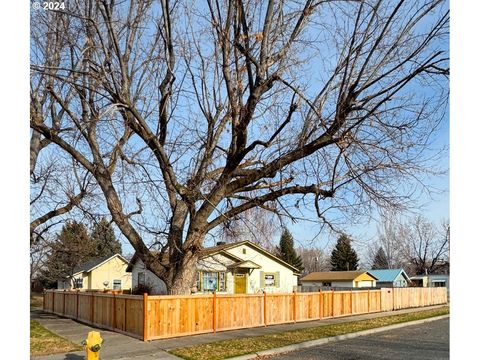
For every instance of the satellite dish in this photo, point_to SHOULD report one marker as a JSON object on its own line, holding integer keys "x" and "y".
{"x": 105, "y": 283}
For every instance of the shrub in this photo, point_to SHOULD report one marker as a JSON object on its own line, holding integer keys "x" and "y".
{"x": 141, "y": 289}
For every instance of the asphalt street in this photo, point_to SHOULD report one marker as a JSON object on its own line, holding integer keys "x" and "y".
{"x": 416, "y": 342}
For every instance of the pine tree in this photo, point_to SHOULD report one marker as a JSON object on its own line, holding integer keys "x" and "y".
{"x": 286, "y": 250}
{"x": 380, "y": 261}
{"x": 344, "y": 257}
{"x": 104, "y": 239}
{"x": 71, "y": 248}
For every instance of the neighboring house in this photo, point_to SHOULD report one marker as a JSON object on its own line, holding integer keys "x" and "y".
{"x": 237, "y": 268}
{"x": 94, "y": 274}
{"x": 432, "y": 280}
{"x": 347, "y": 279}
{"x": 391, "y": 277}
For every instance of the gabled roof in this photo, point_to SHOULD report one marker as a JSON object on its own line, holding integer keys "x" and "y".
{"x": 223, "y": 249}
{"x": 389, "y": 275}
{"x": 94, "y": 263}
{"x": 246, "y": 264}
{"x": 335, "y": 276}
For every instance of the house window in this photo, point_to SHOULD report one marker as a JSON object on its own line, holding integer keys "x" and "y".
{"x": 244, "y": 251}
{"x": 221, "y": 281}
{"x": 328, "y": 284}
{"x": 439, "y": 283}
{"x": 141, "y": 278}
{"x": 211, "y": 281}
{"x": 269, "y": 280}
{"x": 117, "y": 284}
{"x": 78, "y": 283}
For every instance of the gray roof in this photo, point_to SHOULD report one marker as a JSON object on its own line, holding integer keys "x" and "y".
{"x": 89, "y": 265}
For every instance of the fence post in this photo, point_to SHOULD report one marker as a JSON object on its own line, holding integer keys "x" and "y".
{"x": 264, "y": 308}
{"x": 125, "y": 314}
{"x": 53, "y": 301}
{"x": 351, "y": 301}
{"x": 76, "y": 309}
{"x": 381, "y": 296}
{"x": 294, "y": 306}
{"x": 114, "y": 315}
{"x": 214, "y": 322}
{"x": 393, "y": 298}
{"x": 333, "y": 300}
{"x": 145, "y": 316}
{"x": 64, "y": 301}
{"x": 368, "y": 300}
{"x": 92, "y": 307}
{"x": 43, "y": 299}
{"x": 321, "y": 304}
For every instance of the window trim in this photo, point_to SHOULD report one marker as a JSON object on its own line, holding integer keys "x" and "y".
{"x": 200, "y": 287}
{"x": 265, "y": 274}
{"x": 78, "y": 283}
{"x": 119, "y": 285}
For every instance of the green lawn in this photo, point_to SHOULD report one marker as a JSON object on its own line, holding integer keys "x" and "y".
{"x": 44, "y": 342}
{"x": 230, "y": 348}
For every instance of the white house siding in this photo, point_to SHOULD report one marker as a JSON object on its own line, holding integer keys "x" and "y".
{"x": 366, "y": 283}
{"x": 158, "y": 286}
{"x": 348, "y": 284}
{"x": 400, "y": 282}
{"x": 218, "y": 262}
{"x": 287, "y": 280}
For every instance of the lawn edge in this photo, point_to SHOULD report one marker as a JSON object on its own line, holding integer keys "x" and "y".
{"x": 312, "y": 343}
{"x": 78, "y": 347}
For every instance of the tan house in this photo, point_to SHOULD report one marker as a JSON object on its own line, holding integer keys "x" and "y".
{"x": 236, "y": 268}
{"x": 99, "y": 274}
{"x": 349, "y": 279}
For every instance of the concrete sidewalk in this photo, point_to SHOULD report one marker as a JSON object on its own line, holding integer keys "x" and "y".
{"x": 119, "y": 347}
{"x": 116, "y": 346}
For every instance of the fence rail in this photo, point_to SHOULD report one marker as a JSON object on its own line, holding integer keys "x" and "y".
{"x": 158, "y": 317}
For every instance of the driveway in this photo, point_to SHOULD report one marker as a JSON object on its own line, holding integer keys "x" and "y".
{"x": 416, "y": 342}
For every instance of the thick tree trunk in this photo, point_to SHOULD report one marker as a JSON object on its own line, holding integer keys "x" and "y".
{"x": 183, "y": 275}
{"x": 184, "y": 278}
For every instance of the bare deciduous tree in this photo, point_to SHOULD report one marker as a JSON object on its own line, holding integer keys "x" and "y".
{"x": 188, "y": 115}
{"x": 314, "y": 260}
{"x": 427, "y": 247}
{"x": 416, "y": 244}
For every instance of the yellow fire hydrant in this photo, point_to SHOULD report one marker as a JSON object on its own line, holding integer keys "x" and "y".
{"x": 93, "y": 344}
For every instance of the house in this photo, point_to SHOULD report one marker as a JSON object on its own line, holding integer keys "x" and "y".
{"x": 347, "y": 279}
{"x": 99, "y": 274}
{"x": 236, "y": 268}
{"x": 431, "y": 280}
{"x": 391, "y": 277}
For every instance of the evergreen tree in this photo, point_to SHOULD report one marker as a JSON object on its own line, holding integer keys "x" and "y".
{"x": 286, "y": 251}
{"x": 71, "y": 248}
{"x": 104, "y": 240}
{"x": 380, "y": 261}
{"x": 344, "y": 257}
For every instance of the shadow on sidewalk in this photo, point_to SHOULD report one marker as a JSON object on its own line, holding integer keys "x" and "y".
{"x": 74, "y": 357}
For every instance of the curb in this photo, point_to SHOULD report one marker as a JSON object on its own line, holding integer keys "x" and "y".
{"x": 312, "y": 343}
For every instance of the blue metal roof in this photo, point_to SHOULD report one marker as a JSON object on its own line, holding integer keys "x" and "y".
{"x": 387, "y": 275}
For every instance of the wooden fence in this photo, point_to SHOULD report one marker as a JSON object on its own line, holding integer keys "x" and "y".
{"x": 158, "y": 317}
